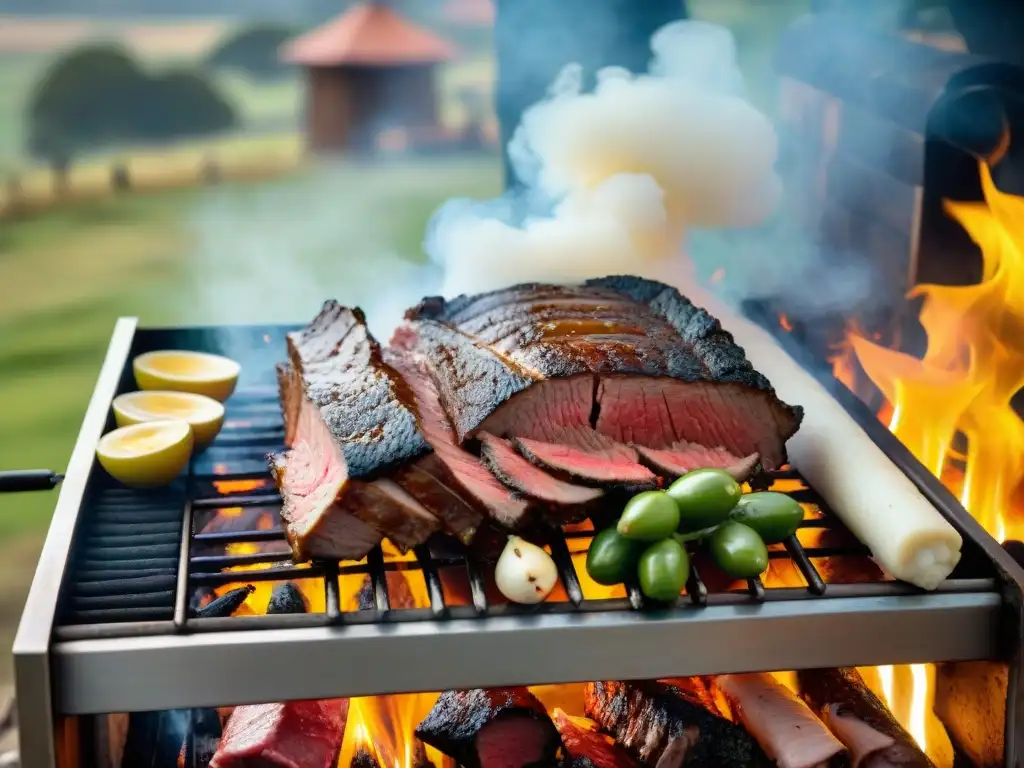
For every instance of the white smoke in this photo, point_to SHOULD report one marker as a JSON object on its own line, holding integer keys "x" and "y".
{"x": 614, "y": 178}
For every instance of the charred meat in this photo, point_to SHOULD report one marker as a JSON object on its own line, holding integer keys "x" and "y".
{"x": 859, "y": 719}
{"x": 586, "y": 746}
{"x": 349, "y": 418}
{"x": 632, "y": 356}
{"x": 670, "y": 724}
{"x": 493, "y": 728}
{"x": 508, "y": 410}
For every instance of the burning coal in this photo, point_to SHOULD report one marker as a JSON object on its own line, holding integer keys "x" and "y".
{"x": 614, "y": 178}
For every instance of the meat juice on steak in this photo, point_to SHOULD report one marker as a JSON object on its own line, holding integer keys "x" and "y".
{"x": 349, "y": 419}
{"x": 666, "y": 370}
{"x": 456, "y": 471}
{"x": 671, "y": 724}
{"x": 493, "y": 728}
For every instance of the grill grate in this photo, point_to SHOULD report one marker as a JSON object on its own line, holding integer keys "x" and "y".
{"x": 127, "y": 568}
{"x": 126, "y": 559}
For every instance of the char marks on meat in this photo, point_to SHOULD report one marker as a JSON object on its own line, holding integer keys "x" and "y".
{"x": 454, "y": 474}
{"x": 859, "y": 719}
{"x": 296, "y": 733}
{"x": 520, "y": 475}
{"x": 349, "y": 418}
{"x": 610, "y": 385}
{"x": 493, "y": 728}
{"x": 665, "y": 371}
{"x": 589, "y": 747}
{"x": 671, "y": 723}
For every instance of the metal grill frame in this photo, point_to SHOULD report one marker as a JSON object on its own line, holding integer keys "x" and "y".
{"x": 208, "y": 662}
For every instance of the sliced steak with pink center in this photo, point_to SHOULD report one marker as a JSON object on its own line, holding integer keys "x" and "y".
{"x": 317, "y": 527}
{"x": 295, "y": 733}
{"x": 681, "y": 458}
{"x": 493, "y": 728}
{"x": 428, "y": 481}
{"x": 588, "y": 457}
{"x": 349, "y": 420}
{"x": 687, "y": 378}
{"x": 452, "y": 465}
{"x": 528, "y": 479}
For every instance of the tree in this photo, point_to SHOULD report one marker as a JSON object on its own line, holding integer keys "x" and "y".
{"x": 254, "y": 51}
{"x": 83, "y": 101}
{"x": 179, "y": 104}
{"x": 97, "y": 97}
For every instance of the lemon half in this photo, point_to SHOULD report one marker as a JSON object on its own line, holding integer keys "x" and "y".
{"x": 152, "y": 453}
{"x": 182, "y": 371}
{"x": 204, "y": 414}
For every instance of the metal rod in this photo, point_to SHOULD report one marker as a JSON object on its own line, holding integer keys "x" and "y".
{"x": 181, "y": 592}
{"x": 21, "y": 480}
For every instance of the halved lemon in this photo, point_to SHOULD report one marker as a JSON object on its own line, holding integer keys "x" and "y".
{"x": 152, "y": 453}
{"x": 204, "y": 414}
{"x": 181, "y": 371}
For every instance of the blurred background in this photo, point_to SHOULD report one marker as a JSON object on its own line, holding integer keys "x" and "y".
{"x": 155, "y": 161}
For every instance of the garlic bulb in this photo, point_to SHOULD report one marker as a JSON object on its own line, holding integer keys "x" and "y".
{"x": 525, "y": 573}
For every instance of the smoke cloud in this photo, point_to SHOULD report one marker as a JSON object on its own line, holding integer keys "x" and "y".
{"x": 613, "y": 179}
{"x": 274, "y": 254}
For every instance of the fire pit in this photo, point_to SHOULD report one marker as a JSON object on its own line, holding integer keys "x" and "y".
{"x": 114, "y": 621}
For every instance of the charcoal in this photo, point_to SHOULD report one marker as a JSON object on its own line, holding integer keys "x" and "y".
{"x": 286, "y": 598}
{"x": 363, "y": 759}
{"x": 226, "y": 604}
{"x": 201, "y": 596}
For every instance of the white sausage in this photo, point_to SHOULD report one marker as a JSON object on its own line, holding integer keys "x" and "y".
{"x": 906, "y": 535}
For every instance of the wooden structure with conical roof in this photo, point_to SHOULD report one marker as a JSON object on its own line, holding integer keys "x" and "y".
{"x": 370, "y": 70}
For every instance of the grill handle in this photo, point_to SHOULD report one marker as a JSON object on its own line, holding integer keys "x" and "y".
{"x": 16, "y": 480}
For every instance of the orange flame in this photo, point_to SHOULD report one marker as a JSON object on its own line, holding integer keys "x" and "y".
{"x": 973, "y": 365}
{"x": 384, "y": 725}
{"x": 961, "y": 387}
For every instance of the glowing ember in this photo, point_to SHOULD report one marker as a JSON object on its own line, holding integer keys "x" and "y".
{"x": 972, "y": 367}
{"x": 225, "y": 487}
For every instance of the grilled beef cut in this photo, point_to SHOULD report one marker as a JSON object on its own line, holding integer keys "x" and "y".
{"x": 349, "y": 416}
{"x": 494, "y": 728}
{"x": 295, "y": 733}
{"x": 589, "y": 458}
{"x": 631, "y": 357}
{"x": 520, "y": 475}
{"x": 671, "y": 724}
{"x": 588, "y": 748}
{"x": 501, "y": 411}
{"x": 452, "y": 465}
{"x": 683, "y": 457}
